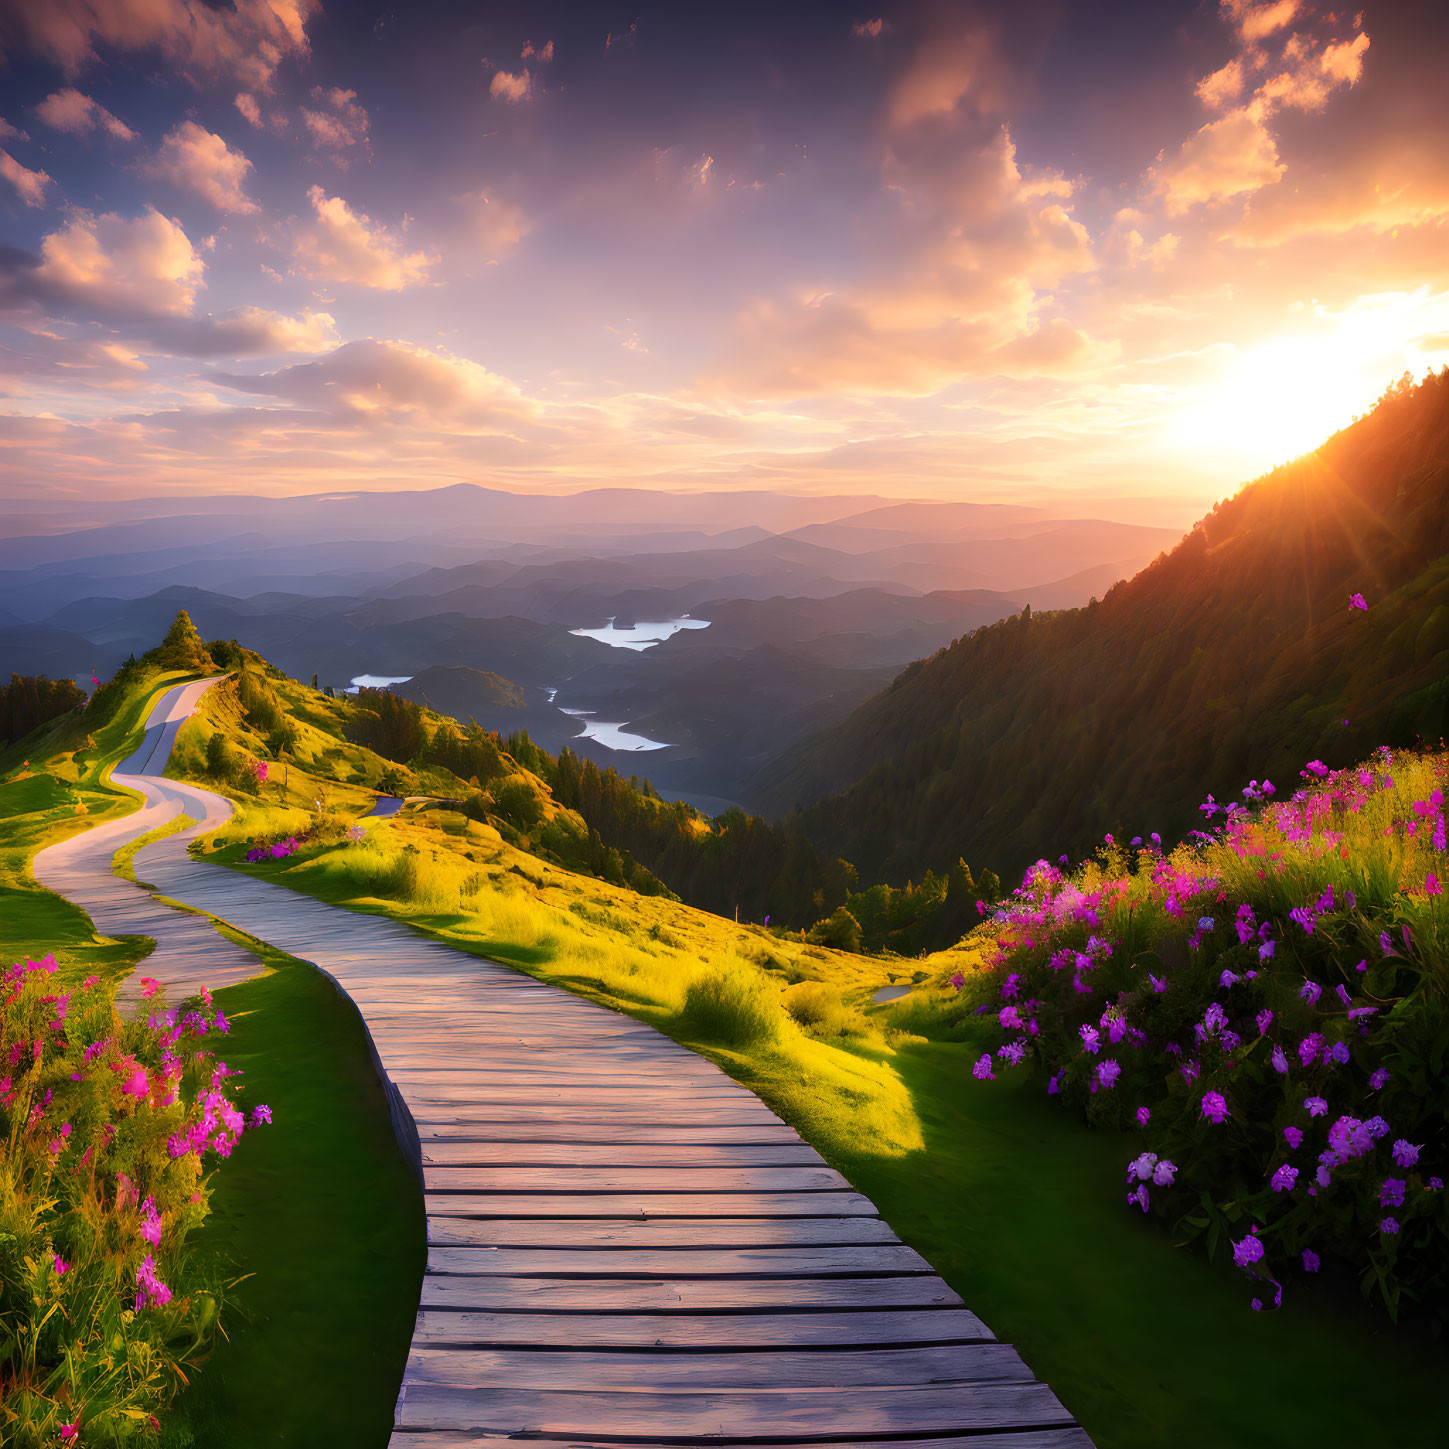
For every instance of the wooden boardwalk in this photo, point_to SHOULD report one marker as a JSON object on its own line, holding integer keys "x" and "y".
{"x": 625, "y": 1246}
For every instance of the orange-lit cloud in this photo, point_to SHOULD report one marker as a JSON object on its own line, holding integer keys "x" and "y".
{"x": 142, "y": 267}
{"x": 346, "y": 246}
{"x": 199, "y": 161}
{"x": 510, "y": 86}
{"x": 69, "y": 110}
{"x": 30, "y": 185}
{"x": 246, "y": 38}
{"x": 339, "y": 123}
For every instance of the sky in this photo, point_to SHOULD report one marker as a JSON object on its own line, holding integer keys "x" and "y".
{"x": 1031, "y": 251}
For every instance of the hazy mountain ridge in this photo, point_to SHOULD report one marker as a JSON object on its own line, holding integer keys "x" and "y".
{"x": 1235, "y": 655}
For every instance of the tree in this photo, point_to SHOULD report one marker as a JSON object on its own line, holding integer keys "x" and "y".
{"x": 182, "y": 648}
{"x": 839, "y": 930}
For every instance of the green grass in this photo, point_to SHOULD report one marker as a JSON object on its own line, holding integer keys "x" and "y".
{"x": 322, "y": 1210}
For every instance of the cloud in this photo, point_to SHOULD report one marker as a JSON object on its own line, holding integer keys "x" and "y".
{"x": 68, "y": 110}
{"x": 543, "y": 54}
{"x": 1223, "y": 86}
{"x": 339, "y": 123}
{"x": 496, "y": 226}
{"x": 246, "y": 103}
{"x": 506, "y": 86}
{"x": 1223, "y": 159}
{"x": 346, "y": 246}
{"x": 1257, "y": 19}
{"x": 115, "y": 267}
{"x": 391, "y": 381}
{"x": 30, "y": 184}
{"x": 199, "y": 160}
{"x": 247, "y": 39}
{"x": 870, "y": 29}
{"x": 11, "y": 133}
{"x": 958, "y": 69}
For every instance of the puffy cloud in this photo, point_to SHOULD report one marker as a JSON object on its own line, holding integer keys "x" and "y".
{"x": 339, "y": 122}
{"x": 496, "y": 226}
{"x": 246, "y": 103}
{"x": 30, "y": 184}
{"x": 199, "y": 160}
{"x": 1257, "y": 19}
{"x": 948, "y": 71}
{"x": 113, "y": 266}
{"x": 347, "y": 246}
{"x": 1225, "y": 158}
{"x": 506, "y": 86}
{"x": 1223, "y": 86}
{"x": 390, "y": 381}
{"x": 870, "y": 29}
{"x": 69, "y": 110}
{"x": 11, "y": 133}
{"x": 247, "y": 332}
{"x": 1311, "y": 74}
{"x": 244, "y": 38}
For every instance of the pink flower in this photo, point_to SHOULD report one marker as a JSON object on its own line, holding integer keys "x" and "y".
{"x": 69, "y": 1431}
{"x": 149, "y": 985}
{"x": 1432, "y": 886}
{"x": 149, "y": 1287}
{"x": 59, "y": 1265}
{"x": 1356, "y": 601}
{"x": 1214, "y": 1106}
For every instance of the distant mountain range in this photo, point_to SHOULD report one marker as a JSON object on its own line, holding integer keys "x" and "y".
{"x": 1236, "y": 656}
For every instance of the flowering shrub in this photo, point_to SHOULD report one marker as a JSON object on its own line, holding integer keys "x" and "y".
{"x": 108, "y": 1128}
{"x": 277, "y": 850}
{"x": 1266, "y": 1005}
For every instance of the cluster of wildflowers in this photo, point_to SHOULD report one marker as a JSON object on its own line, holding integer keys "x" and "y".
{"x": 1267, "y": 1006}
{"x": 277, "y": 850}
{"x": 110, "y": 1128}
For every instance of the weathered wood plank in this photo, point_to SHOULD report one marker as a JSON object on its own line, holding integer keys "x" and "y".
{"x": 663, "y": 1115}
{"x": 674, "y": 1179}
{"x": 655, "y": 1232}
{"x": 685, "y": 1331}
{"x": 651, "y": 1205}
{"x": 618, "y": 1154}
{"x": 438, "y": 1125}
{"x": 1063, "y": 1438}
{"x": 844, "y": 1368}
{"x": 804, "y": 1262}
{"x": 742, "y": 1414}
{"x": 680, "y": 1295}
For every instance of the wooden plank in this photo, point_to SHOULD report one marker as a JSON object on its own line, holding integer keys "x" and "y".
{"x": 1063, "y": 1438}
{"x": 660, "y": 1116}
{"x": 705, "y": 1101}
{"x": 802, "y": 1262}
{"x": 686, "y": 1331}
{"x": 672, "y": 1179}
{"x": 688, "y": 1417}
{"x": 669, "y": 1372}
{"x": 651, "y": 1205}
{"x": 656, "y": 1232}
{"x": 680, "y": 1295}
{"x": 438, "y": 1125}
{"x": 618, "y": 1154}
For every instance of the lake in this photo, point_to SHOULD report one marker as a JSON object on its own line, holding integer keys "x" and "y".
{"x": 375, "y": 681}
{"x": 642, "y": 635}
{"x": 613, "y": 736}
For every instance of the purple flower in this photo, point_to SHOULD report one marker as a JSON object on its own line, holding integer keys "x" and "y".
{"x": 1107, "y": 1073}
{"x": 1280, "y": 1062}
{"x": 1338, "y": 1053}
{"x": 1389, "y": 1226}
{"x": 1011, "y": 987}
{"x": 1377, "y": 1080}
{"x": 1205, "y": 923}
{"x": 1310, "y": 1261}
{"x": 1391, "y": 1194}
{"x": 1228, "y": 980}
{"x": 1350, "y": 1138}
{"x": 982, "y": 1070}
{"x": 1376, "y": 1127}
{"x": 1139, "y": 1197}
{"x": 1436, "y": 1184}
{"x": 1284, "y": 1178}
{"x": 1316, "y": 1106}
{"x": 1265, "y": 951}
{"x": 1144, "y": 1116}
{"x": 1214, "y": 1106}
{"x": 958, "y": 980}
{"x": 1265, "y": 1020}
{"x": 1405, "y": 1153}
{"x": 1247, "y": 1252}
{"x": 1090, "y": 1039}
{"x": 1054, "y": 1084}
{"x": 1311, "y": 992}
{"x": 1141, "y": 1167}
{"x": 1293, "y": 1136}
{"x": 1309, "y": 1048}
{"x": 1012, "y": 1052}
{"x": 1356, "y": 601}
{"x": 1010, "y": 1019}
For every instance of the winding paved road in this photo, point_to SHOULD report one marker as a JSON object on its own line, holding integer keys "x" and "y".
{"x": 625, "y": 1246}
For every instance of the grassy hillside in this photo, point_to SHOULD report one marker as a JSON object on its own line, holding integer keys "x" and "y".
{"x": 1235, "y": 655}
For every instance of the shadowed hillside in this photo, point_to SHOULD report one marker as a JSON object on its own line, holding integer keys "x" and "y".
{"x": 1235, "y": 655}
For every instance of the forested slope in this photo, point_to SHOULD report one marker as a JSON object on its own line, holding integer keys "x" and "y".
{"x": 1236, "y": 655}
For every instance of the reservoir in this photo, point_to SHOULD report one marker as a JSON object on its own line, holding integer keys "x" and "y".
{"x": 640, "y": 636}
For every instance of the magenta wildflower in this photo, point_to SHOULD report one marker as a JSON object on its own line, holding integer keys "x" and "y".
{"x": 1389, "y": 1226}
{"x": 1214, "y": 1106}
{"x": 59, "y": 1265}
{"x": 1316, "y": 1106}
{"x": 1089, "y": 1039}
{"x": 1164, "y": 1172}
{"x": 1107, "y": 1073}
{"x": 1293, "y": 1136}
{"x": 982, "y": 1070}
{"x": 69, "y": 1431}
{"x": 1144, "y": 1116}
{"x": 1310, "y": 1261}
{"x": 1280, "y": 1061}
{"x": 261, "y": 1113}
{"x": 958, "y": 980}
{"x": 1284, "y": 1178}
{"x": 1357, "y": 601}
{"x": 1391, "y": 1194}
{"x": 149, "y": 985}
{"x": 1265, "y": 1020}
{"x": 1248, "y": 1252}
{"x": 1311, "y": 992}
{"x": 1432, "y": 886}
{"x": 1378, "y": 1079}
{"x": 150, "y": 1289}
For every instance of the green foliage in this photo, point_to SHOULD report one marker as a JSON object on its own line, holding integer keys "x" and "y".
{"x": 32, "y": 700}
{"x": 182, "y": 648}
{"x": 818, "y": 1008}
{"x": 839, "y": 930}
{"x": 733, "y": 1006}
{"x": 104, "y": 1311}
{"x": 1235, "y": 654}
{"x": 388, "y": 724}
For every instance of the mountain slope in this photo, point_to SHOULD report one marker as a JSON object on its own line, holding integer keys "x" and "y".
{"x": 1236, "y": 654}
